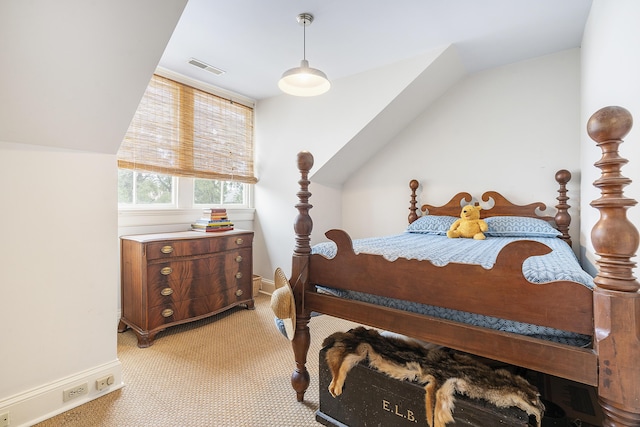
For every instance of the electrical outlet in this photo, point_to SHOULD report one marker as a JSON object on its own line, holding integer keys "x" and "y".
{"x": 4, "y": 420}
{"x": 72, "y": 393}
{"x": 104, "y": 382}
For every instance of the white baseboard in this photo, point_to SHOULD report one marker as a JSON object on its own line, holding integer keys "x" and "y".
{"x": 39, "y": 404}
{"x": 268, "y": 286}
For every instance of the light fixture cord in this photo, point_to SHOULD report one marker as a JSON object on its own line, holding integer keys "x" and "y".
{"x": 304, "y": 40}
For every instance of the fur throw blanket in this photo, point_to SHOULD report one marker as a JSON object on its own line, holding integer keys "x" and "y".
{"x": 442, "y": 372}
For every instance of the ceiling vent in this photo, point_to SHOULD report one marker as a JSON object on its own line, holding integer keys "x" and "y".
{"x": 205, "y": 66}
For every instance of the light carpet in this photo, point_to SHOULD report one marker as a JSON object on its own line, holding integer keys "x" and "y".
{"x": 232, "y": 369}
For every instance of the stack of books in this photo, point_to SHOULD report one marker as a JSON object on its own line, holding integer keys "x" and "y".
{"x": 214, "y": 219}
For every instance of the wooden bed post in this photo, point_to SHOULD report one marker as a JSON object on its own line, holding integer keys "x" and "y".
{"x": 413, "y": 185}
{"x": 616, "y": 298}
{"x": 299, "y": 277}
{"x": 562, "y": 217}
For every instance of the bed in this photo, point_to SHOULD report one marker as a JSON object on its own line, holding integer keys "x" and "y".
{"x": 604, "y": 314}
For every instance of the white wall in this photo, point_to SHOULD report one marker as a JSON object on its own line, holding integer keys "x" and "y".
{"x": 508, "y": 129}
{"x": 610, "y": 76}
{"x": 59, "y": 267}
{"x": 72, "y": 75}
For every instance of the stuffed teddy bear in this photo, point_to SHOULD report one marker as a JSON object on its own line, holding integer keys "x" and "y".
{"x": 469, "y": 225}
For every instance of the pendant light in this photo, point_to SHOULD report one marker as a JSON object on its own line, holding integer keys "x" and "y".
{"x": 304, "y": 80}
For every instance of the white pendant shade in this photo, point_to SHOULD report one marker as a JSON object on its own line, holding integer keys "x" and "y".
{"x": 304, "y": 81}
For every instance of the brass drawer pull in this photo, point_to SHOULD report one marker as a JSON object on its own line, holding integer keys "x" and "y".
{"x": 166, "y": 271}
{"x": 239, "y": 293}
{"x": 238, "y": 275}
{"x": 166, "y": 292}
{"x": 167, "y": 312}
{"x": 166, "y": 249}
{"x": 239, "y": 241}
{"x": 238, "y": 258}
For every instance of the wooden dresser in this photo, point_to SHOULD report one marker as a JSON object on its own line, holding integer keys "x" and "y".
{"x": 173, "y": 278}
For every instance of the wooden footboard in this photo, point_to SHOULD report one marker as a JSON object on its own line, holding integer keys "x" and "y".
{"x": 500, "y": 292}
{"x": 611, "y": 313}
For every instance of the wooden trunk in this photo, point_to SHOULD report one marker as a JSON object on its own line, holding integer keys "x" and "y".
{"x": 371, "y": 398}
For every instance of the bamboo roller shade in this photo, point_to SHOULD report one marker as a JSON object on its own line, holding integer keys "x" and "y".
{"x": 182, "y": 131}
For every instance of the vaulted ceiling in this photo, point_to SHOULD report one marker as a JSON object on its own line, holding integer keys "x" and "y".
{"x": 73, "y": 71}
{"x": 255, "y": 41}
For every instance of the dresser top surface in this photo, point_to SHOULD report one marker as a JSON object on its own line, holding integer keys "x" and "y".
{"x": 183, "y": 235}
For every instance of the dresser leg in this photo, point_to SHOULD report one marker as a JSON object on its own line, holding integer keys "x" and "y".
{"x": 251, "y": 305}
{"x": 122, "y": 326}
{"x": 144, "y": 339}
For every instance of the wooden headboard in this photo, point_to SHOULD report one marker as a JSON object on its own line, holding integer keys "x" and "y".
{"x": 503, "y": 207}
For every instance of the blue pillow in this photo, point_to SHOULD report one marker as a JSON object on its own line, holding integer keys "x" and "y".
{"x": 519, "y": 226}
{"x": 432, "y": 224}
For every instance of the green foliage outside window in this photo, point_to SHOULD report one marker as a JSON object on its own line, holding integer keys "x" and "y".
{"x": 212, "y": 191}
{"x": 144, "y": 188}
{"x": 125, "y": 186}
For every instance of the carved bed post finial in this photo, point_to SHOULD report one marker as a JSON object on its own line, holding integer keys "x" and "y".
{"x": 303, "y": 224}
{"x": 614, "y": 237}
{"x": 562, "y": 217}
{"x": 413, "y": 185}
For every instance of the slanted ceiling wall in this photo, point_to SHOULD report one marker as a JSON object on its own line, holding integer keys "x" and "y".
{"x": 507, "y": 129}
{"x": 442, "y": 69}
{"x": 74, "y": 71}
{"x": 72, "y": 75}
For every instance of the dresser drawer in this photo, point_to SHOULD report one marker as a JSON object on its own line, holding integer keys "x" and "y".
{"x": 178, "y": 248}
{"x": 181, "y": 248}
{"x": 183, "y": 280}
{"x": 194, "y": 308}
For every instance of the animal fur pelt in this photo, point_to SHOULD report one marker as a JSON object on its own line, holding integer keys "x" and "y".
{"x": 442, "y": 372}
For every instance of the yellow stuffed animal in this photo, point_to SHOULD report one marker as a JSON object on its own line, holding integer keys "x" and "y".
{"x": 469, "y": 225}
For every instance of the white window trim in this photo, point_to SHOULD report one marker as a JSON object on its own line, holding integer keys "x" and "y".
{"x": 183, "y": 213}
{"x": 161, "y": 217}
{"x": 183, "y": 195}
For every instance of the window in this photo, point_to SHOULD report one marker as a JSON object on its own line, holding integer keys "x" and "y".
{"x": 155, "y": 191}
{"x": 143, "y": 189}
{"x": 186, "y": 141}
{"x": 215, "y": 192}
